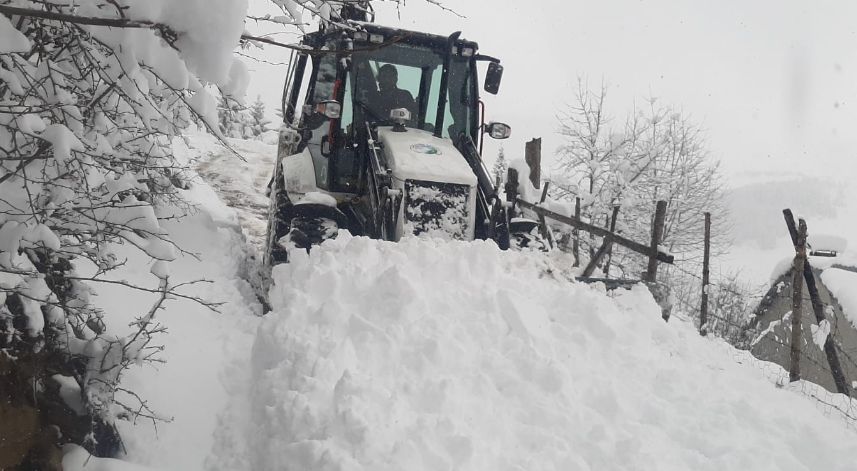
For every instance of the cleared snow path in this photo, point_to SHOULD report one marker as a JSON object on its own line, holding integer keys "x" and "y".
{"x": 206, "y": 353}
{"x": 239, "y": 184}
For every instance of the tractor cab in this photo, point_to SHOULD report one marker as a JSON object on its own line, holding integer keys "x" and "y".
{"x": 386, "y": 124}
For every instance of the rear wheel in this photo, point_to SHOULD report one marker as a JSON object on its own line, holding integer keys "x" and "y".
{"x": 279, "y": 217}
{"x": 525, "y": 234}
{"x": 307, "y": 231}
{"x": 308, "y": 224}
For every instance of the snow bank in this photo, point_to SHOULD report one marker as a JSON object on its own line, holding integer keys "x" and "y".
{"x": 843, "y": 285}
{"x": 434, "y": 356}
{"x": 199, "y": 347}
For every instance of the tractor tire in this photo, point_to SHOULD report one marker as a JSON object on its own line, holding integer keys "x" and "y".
{"x": 525, "y": 235}
{"x": 307, "y": 231}
{"x": 279, "y": 217}
{"x": 310, "y": 224}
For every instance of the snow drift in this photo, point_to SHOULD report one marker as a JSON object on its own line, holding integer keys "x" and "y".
{"x": 435, "y": 356}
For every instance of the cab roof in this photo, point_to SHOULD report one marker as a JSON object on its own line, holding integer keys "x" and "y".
{"x": 415, "y": 38}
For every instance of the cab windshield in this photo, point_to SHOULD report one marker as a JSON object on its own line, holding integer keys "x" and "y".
{"x": 406, "y": 76}
{"x": 390, "y": 77}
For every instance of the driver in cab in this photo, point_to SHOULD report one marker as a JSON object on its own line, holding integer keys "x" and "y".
{"x": 390, "y": 96}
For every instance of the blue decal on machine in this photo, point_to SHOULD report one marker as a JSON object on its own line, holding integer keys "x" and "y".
{"x": 426, "y": 149}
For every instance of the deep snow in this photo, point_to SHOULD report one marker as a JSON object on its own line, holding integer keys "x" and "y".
{"x": 425, "y": 355}
{"x": 441, "y": 355}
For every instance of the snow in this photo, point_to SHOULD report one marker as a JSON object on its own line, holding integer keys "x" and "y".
{"x": 240, "y": 183}
{"x": 843, "y": 285}
{"x": 448, "y": 219}
{"x": 427, "y": 355}
{"x": 413, "y": 356}
{"x": 63, "y": 141}
{"x": 200, "y": 346}
{"x": 203, "y": 103}
{"x": 418, "y": 155}
{"x": 781, "y": 269}
{"x": 315, "y": 197}
{"x": 526, "y": 190}
{"x": 827, "y": 242}
{"x": 11, "y": 40}
{"x": 820, "y": 333}
{"x": 76, "y": 458}
{"x": 70, "y": 393}
{"x": 208, "y": 31}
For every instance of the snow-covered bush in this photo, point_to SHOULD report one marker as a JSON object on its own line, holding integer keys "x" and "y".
{"x": 91, "y": 94}
{"x": 501, "y": 166}
{"x": 731, "y": 303}
{"x": 258, "y": 122}
{"x": 87, "y": 114}
{"x": 233, "y": 119}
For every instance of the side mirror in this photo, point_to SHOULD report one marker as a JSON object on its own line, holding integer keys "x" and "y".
{"x": 498, "y": 130}
{"x": 332, "y": 109}
{"x": 493, "y": 77}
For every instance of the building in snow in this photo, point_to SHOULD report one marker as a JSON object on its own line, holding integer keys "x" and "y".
{"x": 770, "y": 330}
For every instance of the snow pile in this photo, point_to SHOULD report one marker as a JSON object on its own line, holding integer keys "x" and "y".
{"x": 426, "y": 356}
{"x": 200, "y": 346}
{"x": 843, "y": 285}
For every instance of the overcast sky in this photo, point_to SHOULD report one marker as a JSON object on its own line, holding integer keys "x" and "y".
{"x": 773, "y": 83}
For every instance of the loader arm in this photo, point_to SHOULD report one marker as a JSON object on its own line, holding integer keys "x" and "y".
{"x": 488, "y": 205}
{"x": 384, "y": 201}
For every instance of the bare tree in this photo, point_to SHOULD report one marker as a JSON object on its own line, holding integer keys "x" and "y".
{"x": 657, "y": 154}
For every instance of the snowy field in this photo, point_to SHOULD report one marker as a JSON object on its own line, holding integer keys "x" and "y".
{"x": 761, "y": 239}
{"x": 438, "y": 356}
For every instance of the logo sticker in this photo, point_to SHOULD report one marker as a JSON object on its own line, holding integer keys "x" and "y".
{"x": 425, "y": 149}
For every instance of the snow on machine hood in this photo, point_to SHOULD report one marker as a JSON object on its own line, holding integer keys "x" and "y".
{"x": 419, "y": 155}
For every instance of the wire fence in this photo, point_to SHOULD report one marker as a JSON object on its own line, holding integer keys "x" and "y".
{"x": 743, "y": 330}
{"x": 812, "y": 357}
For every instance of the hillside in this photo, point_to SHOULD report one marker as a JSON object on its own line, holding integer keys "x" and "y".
{"x": 425, "y": 355}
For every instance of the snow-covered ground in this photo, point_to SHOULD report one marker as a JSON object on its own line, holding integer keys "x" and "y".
{"x": 200, "y": 344}
{"x": 425, "y": 355}
{"x": 239, "y": 176}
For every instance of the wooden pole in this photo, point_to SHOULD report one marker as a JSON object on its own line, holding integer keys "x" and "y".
{"x": 706, "y": 254}
{"x": 599, "y": 231}
{"x": 543, "y": 224}
{"x": 512, "y": 185}
{"x": 657, "y": 235}
{"x": 576, "y": 234}
{"x": 533, "y": 157}
{"x": 818, "y": 309}
{"x": 610, "y": 245}
{"x": 605, "y": 247}
{"x": 797, "y": 302}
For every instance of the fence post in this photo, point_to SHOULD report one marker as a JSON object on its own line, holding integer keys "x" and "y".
{"x": 575, "y": 233}
{"x": 533, "y": 157}
{"x": 657, "y": 234}
{"x": 605, "y": 248}
{"x": 512, "y": 186}
{"x": 543, "y": 224}
{"x": 839, "y": 379}
{"x": 706, "y": 254}
{"x": 797, "y": 301}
